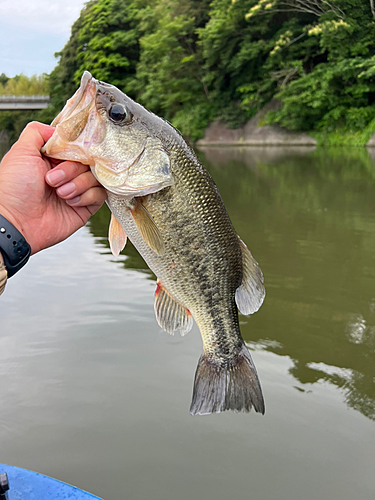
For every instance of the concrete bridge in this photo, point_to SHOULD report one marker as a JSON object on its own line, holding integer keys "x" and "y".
{"x": 23, "y": 102}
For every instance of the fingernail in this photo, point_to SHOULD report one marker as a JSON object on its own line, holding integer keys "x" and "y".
{"x": 55, "y": 177}
{"x": 73, "y": 201}
{"x": 66, "y": 189}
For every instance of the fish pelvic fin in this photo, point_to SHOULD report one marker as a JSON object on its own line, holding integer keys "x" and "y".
{"x": 234, "y": 387}
{"x": 116, "y": 236}
{"x": 250, "y": 294}
{"x": 147, "y": 228}
{"x": 170, "y": 314}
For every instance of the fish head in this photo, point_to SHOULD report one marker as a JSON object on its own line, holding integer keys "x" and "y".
{"x": 102, "y": 127}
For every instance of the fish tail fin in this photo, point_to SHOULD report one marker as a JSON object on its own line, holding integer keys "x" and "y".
{"x": 234, "y": 387}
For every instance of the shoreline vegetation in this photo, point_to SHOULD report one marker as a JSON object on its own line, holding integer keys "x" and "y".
{"x": 246, "y": 72}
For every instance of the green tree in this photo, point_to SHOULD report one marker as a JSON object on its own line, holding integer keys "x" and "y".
{"x": 194, "y": 61}
{"x": 323, "y": 66}
{"x": 61, "y": 81}
{"x": 24, "y": 85}
{"x": 108, "y": 43}
{"x": 104, "y": 41}
{"x": 3, "y": 79}
{"x": 170, "y": 73}
{"x": 246, "y": 58}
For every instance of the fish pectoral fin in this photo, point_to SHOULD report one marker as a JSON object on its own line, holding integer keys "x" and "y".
{"x": 116, "y": 236}
{"x": 250, "y": 294}
{"x": 170, "y": 314}
{"x": 147, "y": 228}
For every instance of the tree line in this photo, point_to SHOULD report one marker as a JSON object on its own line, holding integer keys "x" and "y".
{"x": 196, "y": 61}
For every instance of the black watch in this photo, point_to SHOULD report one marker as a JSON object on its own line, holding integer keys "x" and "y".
{"x": 13, "y": 247}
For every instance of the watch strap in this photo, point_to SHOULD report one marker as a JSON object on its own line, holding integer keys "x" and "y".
{"x": 13, "y": 247}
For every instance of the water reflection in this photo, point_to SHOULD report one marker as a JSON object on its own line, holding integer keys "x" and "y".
{"x": 308, "y": 217}
{"x": 98, "y": 227}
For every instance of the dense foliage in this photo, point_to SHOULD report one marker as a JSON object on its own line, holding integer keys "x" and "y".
{"x": 194, "y": 61}
{"x": 149, "y": 50}
{"x": 316, "y": 56}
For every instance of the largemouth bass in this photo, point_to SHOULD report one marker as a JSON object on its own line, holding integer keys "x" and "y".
{"x": 163, "y": 199}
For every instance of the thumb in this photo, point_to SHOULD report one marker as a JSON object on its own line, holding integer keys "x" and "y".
{"x": 33, "y": 137}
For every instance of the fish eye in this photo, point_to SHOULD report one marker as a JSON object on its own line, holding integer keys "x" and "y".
{"x": 117, "y": 112}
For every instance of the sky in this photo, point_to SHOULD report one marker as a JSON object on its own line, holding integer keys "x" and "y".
{"x": 31, "y": 31}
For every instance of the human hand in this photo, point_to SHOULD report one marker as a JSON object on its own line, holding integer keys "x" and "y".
{"x": 43, "y": 214}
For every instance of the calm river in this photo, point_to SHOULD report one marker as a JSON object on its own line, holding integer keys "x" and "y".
{"x": 95, "y": 394}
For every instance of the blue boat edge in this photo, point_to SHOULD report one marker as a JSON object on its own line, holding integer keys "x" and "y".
{"x": 26, "y": 484}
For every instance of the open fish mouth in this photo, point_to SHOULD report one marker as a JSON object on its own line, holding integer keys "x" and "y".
{"x": 71, "y": 122}
{"x": 122, "y": 154}
{"x": 85, "y": 95}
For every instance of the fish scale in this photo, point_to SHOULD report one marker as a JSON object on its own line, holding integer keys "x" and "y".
{"x": 163, "y": 199}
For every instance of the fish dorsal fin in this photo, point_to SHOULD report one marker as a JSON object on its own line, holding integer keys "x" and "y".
{"x": 147, "y": 228}
{"x": 250, "y": 294}
{"x": 116, "y": 236}
{"x": 170, "y": 314}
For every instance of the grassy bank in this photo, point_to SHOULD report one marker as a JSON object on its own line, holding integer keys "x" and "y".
{"x": 344, "y": 137}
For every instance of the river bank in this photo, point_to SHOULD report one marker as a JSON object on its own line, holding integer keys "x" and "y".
{"x": 256, "y": 133}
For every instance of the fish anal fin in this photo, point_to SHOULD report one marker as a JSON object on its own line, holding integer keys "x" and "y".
{"x": 170, "y": 314}
{"x": 116, "y": 236}
{"x": 147, "y": 228}
{"x": 250, "y": 294}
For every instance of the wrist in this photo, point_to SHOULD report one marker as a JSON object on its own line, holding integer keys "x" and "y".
{"x": 12, "y": 219}
{"x": 17, "y": 223}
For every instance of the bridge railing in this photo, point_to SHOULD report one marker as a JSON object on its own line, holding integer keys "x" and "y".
{"x": 19, "y": 102}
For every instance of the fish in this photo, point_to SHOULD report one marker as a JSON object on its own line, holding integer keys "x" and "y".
{"x": 163, "y": 199}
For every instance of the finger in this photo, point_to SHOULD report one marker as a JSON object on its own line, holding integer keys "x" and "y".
{"x": 93, "y": 199}
{"x": 78, "y": 186}
{"x": 34, "y": 136}
{"x": 65, "y": 172}
{"x": 54, "y": 162}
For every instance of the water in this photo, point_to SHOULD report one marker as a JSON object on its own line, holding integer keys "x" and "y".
{"x": 95, "y": 394}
